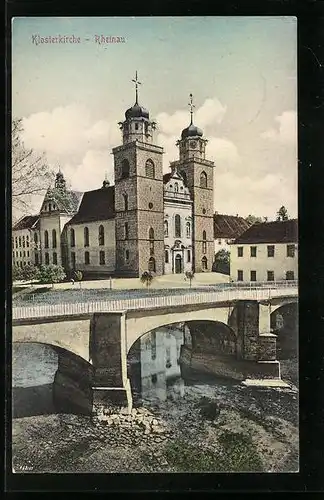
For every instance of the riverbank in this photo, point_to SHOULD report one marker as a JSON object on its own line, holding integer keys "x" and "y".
{"x": 250, "y": 430}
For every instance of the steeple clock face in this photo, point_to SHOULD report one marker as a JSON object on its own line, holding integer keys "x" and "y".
{"x": 193, "y": 144}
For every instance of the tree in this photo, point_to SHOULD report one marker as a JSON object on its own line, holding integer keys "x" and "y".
{"x": 282, "y": 214}
{"x": 16, "y": 273}
{"x": 78, "y": 276}
{"x": 30, "y": 175}
{"x": 222, "y": 262}
{"x": 29, "y": 273}
{"x": 147, "y": 278}
{"x": 252, "y": 219}
{"x": 189, "y": 275}
{"x": 51, "y": 274}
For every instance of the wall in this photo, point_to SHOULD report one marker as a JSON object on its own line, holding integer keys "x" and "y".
{"x": 280, "y": 263}
{"x": 185, "y": 212}
{"x": 23, "y": 255}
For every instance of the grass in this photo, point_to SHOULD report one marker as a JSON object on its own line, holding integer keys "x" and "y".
{"x": 236, "y": 453}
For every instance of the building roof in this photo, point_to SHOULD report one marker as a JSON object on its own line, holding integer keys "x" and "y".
{"x": 229, "y": 226}
{"x": 167, "y": 177}
{"x": 271, "y": 232}
{"x": 96, "y": 205}
{"x": 66, "y": 200}
{"x": 27, "y": 222}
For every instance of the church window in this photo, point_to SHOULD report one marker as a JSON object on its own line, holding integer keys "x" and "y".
{"x": 126, "y": 255}
{"x": 27, "y": 241}
{"x": 86, "y": 236}
{"x": 167, "y": 256}
{"x": 54, "y": 242}
{"x": 151, "y": 238}
{"x": 125, "y": 196}
{"x": 151, "y": 264}
{"x": 86, "y": 258}
{"x": 204, "y": 245}
{"x": 46, "y": 239}
{"x": 150, "y": 205}
{"x": 55, "y": 258}
{"x": 50, "y": 207}
{"x": 73, "y": 260}
{"x": 136, "y": 126}
{"x": 188, "y": 256}
{"x": 126, "y": 232}
{"x": 177, "y": 226}
{"x": 35, "y": 238}
{"x": 72, "y": 237}
{"x": 166, "y": 228}
{"x": 101, "y": 235}
{"x": 149, "y": 169}
{"x": 102, "y": 258}
{"x": 176, "y": 187}
{"x": 36, "y": 259}
{"x": 125, "y": 169}
{"x": 203, "y": 180}
{"x": 188, "y": 229}
{"x": 204, "y": 263}
{"x": 203, "y": 210}
{"x": 46, "y": 258}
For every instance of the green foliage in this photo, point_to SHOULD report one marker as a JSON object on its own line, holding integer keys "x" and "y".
{"x": 77, "y": 275}
{"x": 16, "y": 273}
{"x": 146, "y": 278}
{"x": 253, "y": 219}
{"x": 51, "y": 274}
{"x": 222, "y": 262}
{"x": 25, "y": 273}
{"x": 236, "y": 453}
{"x": 189, "y": 275}
{"x": 282, "y": 214}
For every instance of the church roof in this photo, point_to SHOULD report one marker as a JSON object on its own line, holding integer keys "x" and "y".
{"x": 229, "y": 226}
{"x": 27, "y": 222}
{"x": 66, "y": 200}
{"x": 191, "y": 131}
{"x": 271, "y": 232}
{"x": 167, "y": 177}
{"x": 137, "y": 111}
{"x": 96, "y": 205}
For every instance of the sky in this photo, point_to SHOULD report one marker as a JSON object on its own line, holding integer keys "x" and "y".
{"x": 242, "y": 72}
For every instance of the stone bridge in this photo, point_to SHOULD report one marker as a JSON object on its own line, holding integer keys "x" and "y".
{"x": 230, "y": 336}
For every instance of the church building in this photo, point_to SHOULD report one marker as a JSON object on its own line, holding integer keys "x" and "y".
{"x": 145, "y": 221}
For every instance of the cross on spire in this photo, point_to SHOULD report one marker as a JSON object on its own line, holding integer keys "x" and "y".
{"x": 137, "y": 83}
{"x": 191, "y": 105}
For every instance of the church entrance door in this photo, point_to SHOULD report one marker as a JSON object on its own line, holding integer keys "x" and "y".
{"x": 178, "y": 264}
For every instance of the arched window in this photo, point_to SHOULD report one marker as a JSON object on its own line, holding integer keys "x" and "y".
{"x": 204, "y": 263}
{"x": 176, "y": 187}
{"x": 203, "y": 180}
{"x": 126, "y": 232}
{"x": 46, "y": 239}
{"x": 86, "y": 236}
{"x": 54, "y": 242}
{"x": 46, "y": 259}
{"x": 188, "y": 229}
{"x": 101, "y": 235}
{"x": 102, "y": 258}
{"x": 72, "y": 237}
{"x": 204, "y": 244}
{"x": 87, "y": 258}
{"x": 125, "y": 196}
{"x": 55, "y": 258}
{"x": 149, "y": 169}
{"x": 151, "y": 238}
{"x": 204, "y": 235}
{"x": 20, "y": 241}
{"x": 177, "y": 226}
{"x": 166, "y": 228}
{"x": 167, "y": 256}
{"x": 125, "y": 169}
{"x": 151, "y": 264}
{"x": 126, "y": 255}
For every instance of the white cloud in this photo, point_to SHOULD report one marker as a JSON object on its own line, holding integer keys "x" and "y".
{"x": 286, "y": 131}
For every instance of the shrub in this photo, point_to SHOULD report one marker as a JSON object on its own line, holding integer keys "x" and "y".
{"x": 147, "y": 278}
{"x": 78, "y": 276}
{"x": 189, "y": 275}
{"x": 51, "y": 274}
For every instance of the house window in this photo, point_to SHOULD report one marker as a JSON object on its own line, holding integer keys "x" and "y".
{"x": 101, "y": 235}
{"x": 176, "y": 187}
{"x": 204, "y": 263}
{"x": 55, "y": 258}
{"x": 166, "y": 254}
{"x": 126, "y": 255}
{"x": 46, "y": 239}
{"x": 102, "y": 258}
{"x": 253, "y": 276}
{"x": 125, "y": 169}
{"x": 27, "y": 241}
{"x": 270, "y": 275}
{"x": 166, "y": 228}
{"x": 188, "y": 229}
{"x": 46, "y": 258}
{"x": 87, "y": 258}
{"x": 20, "y": 241}
{"x": 290, "y": 250}
{"x": 36, "y": 259}
{"x": 177, "y": 226}
{"x": 54, "y": 242}
{"x": 86, "y": 236}
{"x": 253, "y": 252}
{"x": 271, "y": 250}
{"x": 149, "y": 169}
{"x": 73, "y": 260}
{"x": 188, "y": 256}
{"x": 23, "y": 240}
{"x": 136, "y": 126}
{"x": 27, "y": 253}
{"x": 24, "y": 253}
{"x": 72, "y": 237}
{"x": 240, "y": 251}
{"x": 203, "y": 180}
{"x": 239, "y": 275}
{"x": 151, "y": 264}
{"x": 125, "y": 196}
{"x": 290, "y": 275}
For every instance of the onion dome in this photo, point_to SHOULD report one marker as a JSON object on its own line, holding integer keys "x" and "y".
{"x": 137, "y": 111}
{"x": 191, "y": 131}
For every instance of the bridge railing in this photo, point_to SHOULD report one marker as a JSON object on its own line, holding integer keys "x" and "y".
{"x": 206, "y": 297}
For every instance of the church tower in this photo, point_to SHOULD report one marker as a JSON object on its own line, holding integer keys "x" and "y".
{"x": 198, "y": 174}
{"x": 138, "y": 195}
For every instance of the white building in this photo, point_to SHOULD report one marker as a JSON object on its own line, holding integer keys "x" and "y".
{"x": 25, "y": 241}
{"x": 266, "y": 252}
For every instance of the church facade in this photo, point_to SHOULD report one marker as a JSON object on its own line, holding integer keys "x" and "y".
{"x": 147, "y": 220}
